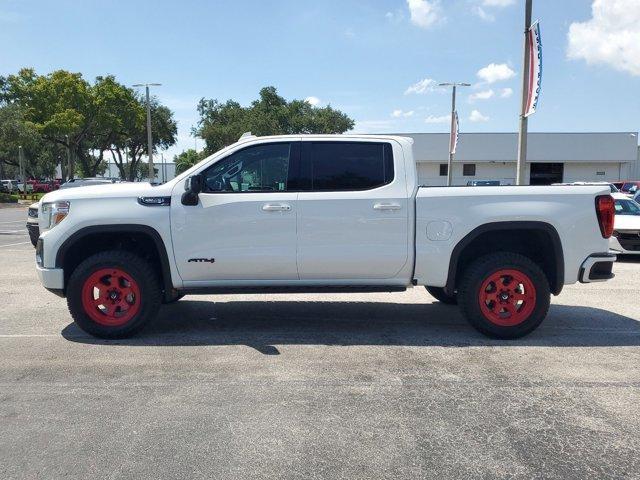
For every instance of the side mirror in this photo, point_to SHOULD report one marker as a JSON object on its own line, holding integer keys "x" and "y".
{"x": 192, "y": 187}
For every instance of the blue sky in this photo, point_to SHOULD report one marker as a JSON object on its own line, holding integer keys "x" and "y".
{"x": 359, "y": 56}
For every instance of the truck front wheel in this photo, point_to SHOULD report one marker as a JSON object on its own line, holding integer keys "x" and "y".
{"x": 113, "y": 294}
{"x": 504, "y": 295}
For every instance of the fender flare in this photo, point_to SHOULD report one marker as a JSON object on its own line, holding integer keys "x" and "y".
{"x": 545, "y": 227}
{"x": 161, "y": 248}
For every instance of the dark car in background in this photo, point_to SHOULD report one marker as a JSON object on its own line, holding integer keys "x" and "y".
{"x": 32, "y": 223}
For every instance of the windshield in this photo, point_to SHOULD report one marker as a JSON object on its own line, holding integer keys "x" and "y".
{"x": 614, "y": 189}
{"x": 627, "y": 207}
{"x": 627, "y": 186}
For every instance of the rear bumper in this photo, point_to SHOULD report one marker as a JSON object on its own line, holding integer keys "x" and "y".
{"x": 627, "y": 243}
{"x": 597, "y": 268}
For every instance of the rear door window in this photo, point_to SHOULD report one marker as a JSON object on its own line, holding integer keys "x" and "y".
{"x": 340, "y": 166}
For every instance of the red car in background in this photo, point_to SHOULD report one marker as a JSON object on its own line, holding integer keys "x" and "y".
{"x": 42, "y": 186}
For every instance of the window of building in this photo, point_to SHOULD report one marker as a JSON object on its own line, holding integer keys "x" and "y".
{"x": 444, "y": 169}
{"x": 339, "y": 166}
{"x": 261, "y": 168}
{"x": 469, "y": 169}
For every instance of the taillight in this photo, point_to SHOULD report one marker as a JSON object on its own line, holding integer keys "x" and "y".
{"x": 605, "y": 210}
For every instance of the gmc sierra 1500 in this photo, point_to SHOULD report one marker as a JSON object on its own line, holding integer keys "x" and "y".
{"x": 321, "y": 213}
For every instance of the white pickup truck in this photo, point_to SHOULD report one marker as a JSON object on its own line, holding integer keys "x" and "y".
{"x": 319, "y": 213}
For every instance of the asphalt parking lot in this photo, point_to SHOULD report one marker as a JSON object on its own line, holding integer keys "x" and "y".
{"x": 316, "y": 386}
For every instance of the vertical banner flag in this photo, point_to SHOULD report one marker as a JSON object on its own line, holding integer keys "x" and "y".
{"x": 455, "y": 131}
{"x": 535, "y": 68}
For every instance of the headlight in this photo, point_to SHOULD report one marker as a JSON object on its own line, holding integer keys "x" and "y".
{"x": 54, "y": 213}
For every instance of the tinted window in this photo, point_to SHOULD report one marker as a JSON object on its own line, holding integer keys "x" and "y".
{"x": 262, "y": 168}
{"x": 627, "y": 207}
{"x": 349, "y": 166}
{"x": 469, "y": 169}
{"x": 444, "y": 169}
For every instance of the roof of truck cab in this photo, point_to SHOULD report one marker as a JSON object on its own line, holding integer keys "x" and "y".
{"x": 327, "y": 136}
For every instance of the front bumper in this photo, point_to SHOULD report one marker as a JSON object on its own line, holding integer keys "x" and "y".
{"x": 51, "y": 278}
{"x": 597, "y": 268}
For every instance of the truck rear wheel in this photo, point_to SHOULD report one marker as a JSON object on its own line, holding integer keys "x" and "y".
{"x": 113, "y": 294}
{"x": 439, "y": 294}
{"x": 504, "y": 295}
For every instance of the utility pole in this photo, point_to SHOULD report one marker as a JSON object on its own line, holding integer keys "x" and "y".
{"x": 521, "y": 164}
{"x": 149, "y": 135}
{"x": 452, "y": 132}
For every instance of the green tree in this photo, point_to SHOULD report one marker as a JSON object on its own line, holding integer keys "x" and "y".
{"x": 134, "y": 139}
{"x": 40, "y": 159}
{"x": 91, "y": 120}
{"x": 221, "y": 124}
{"x": 186, "y": 160}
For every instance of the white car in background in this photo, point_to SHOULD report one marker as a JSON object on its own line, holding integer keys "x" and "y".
{"x": 611, "y": 186}
{"x": 626, "y": 227}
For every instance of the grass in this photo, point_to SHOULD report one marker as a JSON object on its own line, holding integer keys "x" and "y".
{"x": 13, "y": 198}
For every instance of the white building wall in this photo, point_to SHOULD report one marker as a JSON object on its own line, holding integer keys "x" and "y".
{"x": 585, "y": 156}
{"x": 429, "y": 173}
{"x": 601, "y": 172}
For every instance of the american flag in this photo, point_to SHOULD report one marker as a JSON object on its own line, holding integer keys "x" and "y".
{"x": 535, "y": 68}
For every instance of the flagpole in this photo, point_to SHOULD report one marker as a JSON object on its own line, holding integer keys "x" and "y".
{"x": 522, "y": 134}
{"x": 452, "y": 132}
{"x": 451, "y": 140}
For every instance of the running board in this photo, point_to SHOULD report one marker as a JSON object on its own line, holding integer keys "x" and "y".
{"x": 293, "y": 289}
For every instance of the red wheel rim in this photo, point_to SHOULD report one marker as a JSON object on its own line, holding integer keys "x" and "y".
{"x": 507, "y": 297}
{"x": 111, "y": 297}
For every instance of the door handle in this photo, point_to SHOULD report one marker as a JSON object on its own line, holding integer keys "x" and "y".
{"x": 276, "y": 207}
{"x": 387, "y": 206}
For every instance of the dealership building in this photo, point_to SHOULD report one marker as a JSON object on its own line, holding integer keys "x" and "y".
{"x": 551, "y": 157}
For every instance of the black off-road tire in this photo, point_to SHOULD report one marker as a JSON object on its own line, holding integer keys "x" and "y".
{"x": 138, "y": 269}
{"x": 33, "y": 236}
{"x": 439, "y": 294}
{"x": 469, "y": 294}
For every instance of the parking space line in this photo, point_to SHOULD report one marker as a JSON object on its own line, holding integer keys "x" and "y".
{"x": 12, "y": 244}
{"x": 28, "y": 335}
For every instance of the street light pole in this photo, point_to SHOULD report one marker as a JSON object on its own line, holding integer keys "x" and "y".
{"x": 149, "y": 134}
{"x": 452, "y": 132}
{"x": 522, "y": 133}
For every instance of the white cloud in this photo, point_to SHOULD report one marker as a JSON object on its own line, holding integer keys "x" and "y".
{"x": 483, "y": 14}
{"x": 401, "y": 113}
{"x": 495, "y": 72}
{"x": 506, "y": 92}
{"x": 424, "y": 13}
{"x": 314, "y": 101}
{"x": 498, "y": 3}
{"x": 423, "y": 86}
{"x": 350, "y": 33}
{"x": 440, "y": 119}
{"x": 483, "y": 95}
{"x": 395, "y": 17}
{"x": 611, "y": 37}
{"x": 476, "y": 116}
